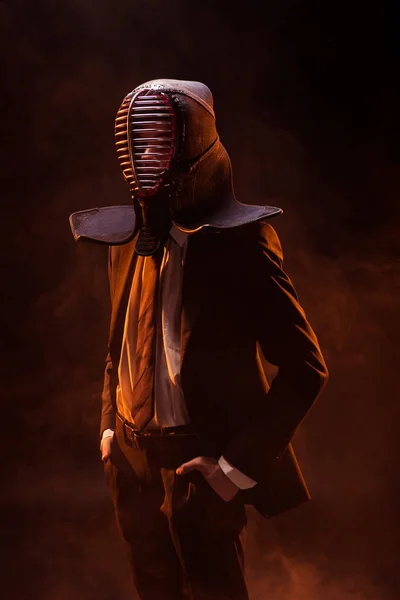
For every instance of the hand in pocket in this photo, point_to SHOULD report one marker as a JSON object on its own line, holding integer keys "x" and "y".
{"x": 213, "y": 474}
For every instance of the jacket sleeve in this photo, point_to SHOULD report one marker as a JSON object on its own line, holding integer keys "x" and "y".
{"x": 107, "y": 407}
{"x": 288, "y": 342}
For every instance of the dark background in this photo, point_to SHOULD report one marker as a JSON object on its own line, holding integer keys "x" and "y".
{"x": 306, "y": 106}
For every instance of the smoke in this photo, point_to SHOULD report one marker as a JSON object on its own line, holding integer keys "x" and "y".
{"x": 286, "y": 578}
{"x": 301, "y": 115}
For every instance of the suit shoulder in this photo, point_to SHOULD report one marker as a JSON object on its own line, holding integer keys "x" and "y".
{"x": 269, "y": 239}
{"x": 120, "y": 252}
{"x": 112, "y": 253}
{"x": 259, "y": 235}
{"x": 255, "y": 244}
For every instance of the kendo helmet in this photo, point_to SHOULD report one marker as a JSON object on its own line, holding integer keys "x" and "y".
{"x": 176, "y": 168}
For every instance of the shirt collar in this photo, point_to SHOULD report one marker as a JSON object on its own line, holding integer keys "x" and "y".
{"x": 179, "y": 236}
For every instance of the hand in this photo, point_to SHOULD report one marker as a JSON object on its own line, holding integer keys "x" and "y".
{"x": 213, "y": 474}
{"x": 105, "y": 448}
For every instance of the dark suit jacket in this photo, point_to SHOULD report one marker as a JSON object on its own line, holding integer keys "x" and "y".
{"x": 238, "y": 307}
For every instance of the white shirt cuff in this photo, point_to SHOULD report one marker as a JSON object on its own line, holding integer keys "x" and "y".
{"x": 107, "y": 433}
{"x": 242, "y": 481}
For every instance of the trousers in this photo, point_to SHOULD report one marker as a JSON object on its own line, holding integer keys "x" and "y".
{"x": 183, "y": 541}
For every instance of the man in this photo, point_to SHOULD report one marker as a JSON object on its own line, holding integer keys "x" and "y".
{"x": 190, "y": 429}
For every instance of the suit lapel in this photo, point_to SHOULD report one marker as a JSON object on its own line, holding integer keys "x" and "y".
{"x": 122, "y": 273}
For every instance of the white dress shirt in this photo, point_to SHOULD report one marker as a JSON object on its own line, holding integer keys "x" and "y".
{"x": 169, "y": 404}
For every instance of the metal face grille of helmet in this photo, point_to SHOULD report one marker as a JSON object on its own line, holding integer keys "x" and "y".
{"x": 145, "y": 139}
